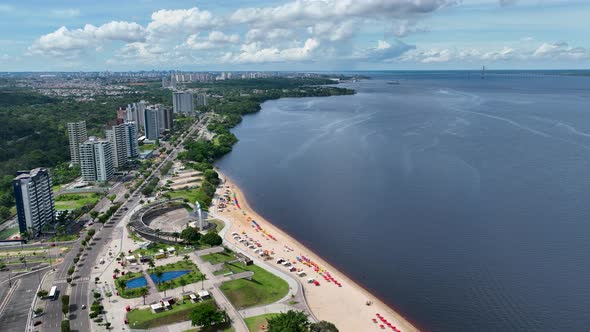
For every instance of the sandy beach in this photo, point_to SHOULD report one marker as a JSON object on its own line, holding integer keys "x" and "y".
{"x": 345, "y": 305}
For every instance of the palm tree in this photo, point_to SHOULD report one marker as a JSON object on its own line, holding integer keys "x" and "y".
{"x": 185, "y": 258}
{"x": 183, "y": 283}
{"x": 151, "y": 264}
{"x": 116, "y": 271}
{"x": 143, "y": 291}
{"x": 159, "y": 274}
{"x": 175, "y": 235}
{"x": 165, "y": 286}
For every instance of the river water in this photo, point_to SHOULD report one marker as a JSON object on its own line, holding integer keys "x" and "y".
{"x": 462, "y": 202}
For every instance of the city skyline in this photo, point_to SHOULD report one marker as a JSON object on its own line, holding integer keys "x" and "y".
{"x": 294, "y": 35}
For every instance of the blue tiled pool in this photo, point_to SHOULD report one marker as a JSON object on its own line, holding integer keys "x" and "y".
{"x": 169, "y": 275}
{"x": 136, "y": 283}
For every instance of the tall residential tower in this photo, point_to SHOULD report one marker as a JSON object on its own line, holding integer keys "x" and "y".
{"x": 35, "y": 204}
{"x": 77, "y": 135}
{"x": 96, "y": 160}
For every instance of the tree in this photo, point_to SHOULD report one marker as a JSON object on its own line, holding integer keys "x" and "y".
{"x": 65, "y": 325}
{"x": 116, "y": 271}
{"x": 205, "y": 314}
{"x": 175, "y": 235}
{"x": 65, "y": 304}
{"x": 291, "y": 321}
{"x": 143, "y": 292}
{"x": 190, "y": 235}
{"x": 185, "y": 258}
{"x": 38, "y": 311}
{"x": 212, "y": 239}
{"x": 183, "y": 283}
{"x": 159, "y": 275}
{"x": 151, "y": 264}
{"x": 112, "y": 198}
{"x": 93, "y": 215}
{"x": 323, "y": 326}
{"x": 42, "y": 293}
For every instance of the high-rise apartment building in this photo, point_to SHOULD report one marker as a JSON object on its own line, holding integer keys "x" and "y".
{"x": 152, "y": 119}
{"x": 77, "y": 135}
{"x": 168, "y": 119}
{"x": 96, "y": 160}
{"x": 35, "y": 204}
{"x": 182, "y": 102}
{"x": 201, "y": 100}
{"x": 123, "y": 139}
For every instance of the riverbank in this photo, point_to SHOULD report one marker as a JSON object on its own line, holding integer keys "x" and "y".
{"x": 345, "y": 305}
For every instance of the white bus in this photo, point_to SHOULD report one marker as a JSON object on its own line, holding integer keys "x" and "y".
{"x": 53, "y": 293}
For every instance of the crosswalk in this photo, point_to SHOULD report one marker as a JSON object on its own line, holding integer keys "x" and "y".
{"x": 65, "y": 281}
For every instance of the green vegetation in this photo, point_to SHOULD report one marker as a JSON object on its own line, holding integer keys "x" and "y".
{"x": 206, "y": 314}
{"x": 212, "y": 239}
{"x": 264, "y": 288}
{"x": 105, "y": 216}
{"x": 255, "y": 323}
{"x": 65, "y": 326}
{"x": 150, "y": 187}
{"x": 194, "y": 276}
{"x": 8, "y": 232}
{"x": 297, "y": 321}
{"x": 75, "y": 201}
{"x": 147, "y": 147}
{"x": 146, "y": 319}
{"x": 65, "y": 304}
{"x": 190, "y": 235}
{"x": 34, "y": 133}
{"x": 165, "y": 168}
{"x": 219, "y": 257}
{"x": 121, "y": 284}
{"x": 155, "y": 248}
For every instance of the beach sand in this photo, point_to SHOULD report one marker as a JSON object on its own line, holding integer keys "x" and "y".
{"x": 344, "y": 306}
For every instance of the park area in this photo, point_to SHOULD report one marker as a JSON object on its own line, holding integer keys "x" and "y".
{"x": 264, "y": 288}
{"x": 256, "y": 323}
{"x": 147, "y": 319}
{"x": 192, "y": 275}
{"x": 75, "y": 201}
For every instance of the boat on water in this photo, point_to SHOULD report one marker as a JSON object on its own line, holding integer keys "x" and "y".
{"x": 393, "y": 82}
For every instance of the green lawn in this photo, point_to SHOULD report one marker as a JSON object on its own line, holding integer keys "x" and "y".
{"x": 75, "y": 201}
{"x": 128, "y": 293}
{"x": 219, "y": 224}
{"x": 264, "y": 288}
{"x": 190, "y": 194}
{"x": 146, "y": 319}
{"x": 194, "y": 276}
{"x": 255, "y": 323}
{"x": 218, "y": 257}
{"x": 180, "y": 249}
{"x": 147, "y": 147}
{"x": 8, "y": 232}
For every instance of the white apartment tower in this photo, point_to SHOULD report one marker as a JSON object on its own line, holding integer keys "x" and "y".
{"x": 123, "y": 139}
{"x": 35, "y": 204}
{"x": 77, "y": 135}
{"x": 96, "y": 160}
{"x": 182, "y": 102}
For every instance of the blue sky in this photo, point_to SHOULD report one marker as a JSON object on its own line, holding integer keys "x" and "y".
{"x": 38, "y": 35}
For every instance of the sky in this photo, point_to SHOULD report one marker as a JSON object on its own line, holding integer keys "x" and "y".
{"x": 331, "y": 35}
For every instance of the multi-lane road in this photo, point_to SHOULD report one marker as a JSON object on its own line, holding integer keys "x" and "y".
{"x": 81, "y": 285}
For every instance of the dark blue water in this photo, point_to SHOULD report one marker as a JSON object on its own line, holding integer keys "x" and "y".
{"x": 136, "y": 283}
{"x": 463, "y": 203}
{"x": 166, "y": 276}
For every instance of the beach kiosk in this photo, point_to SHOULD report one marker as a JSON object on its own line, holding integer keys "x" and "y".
{"x": 204, "y": 295}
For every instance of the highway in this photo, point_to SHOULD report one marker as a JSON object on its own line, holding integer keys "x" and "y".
{"x": 81, "y": 285}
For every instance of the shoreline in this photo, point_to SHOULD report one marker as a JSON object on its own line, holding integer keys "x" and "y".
{"x": 344, "y": 306}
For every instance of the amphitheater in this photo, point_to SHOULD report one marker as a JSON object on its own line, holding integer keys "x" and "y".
{"x": 160, "y": 220}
